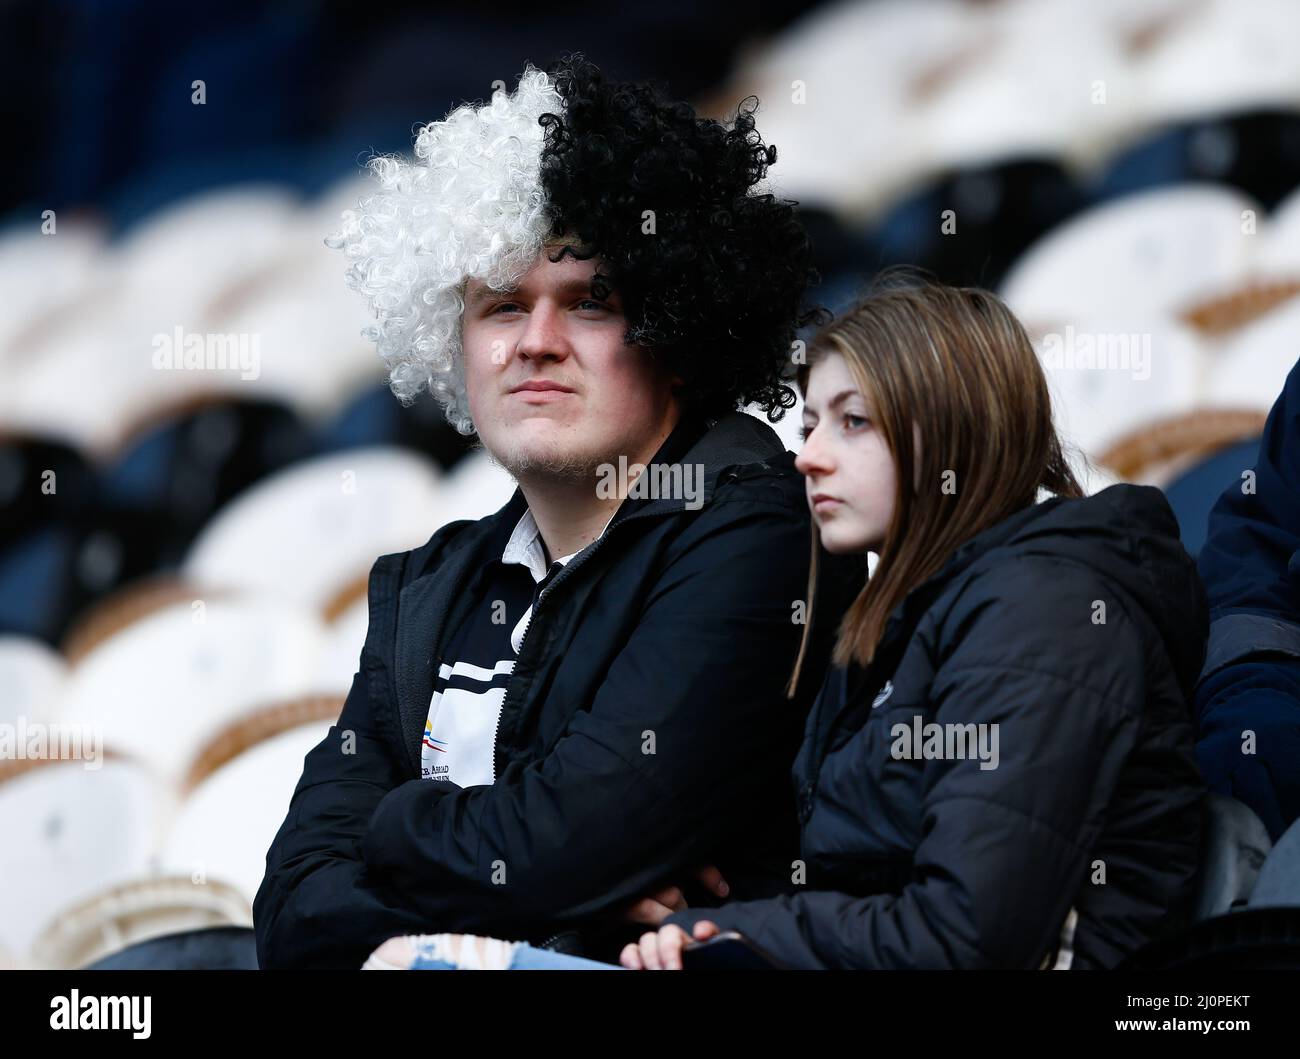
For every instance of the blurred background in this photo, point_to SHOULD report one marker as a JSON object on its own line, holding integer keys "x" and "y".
{"x": 183, "y": 553}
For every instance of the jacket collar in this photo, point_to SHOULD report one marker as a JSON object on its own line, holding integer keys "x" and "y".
{"x": 735, "y": 439}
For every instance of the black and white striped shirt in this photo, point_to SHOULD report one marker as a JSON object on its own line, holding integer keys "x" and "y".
{"x": 460, "y": 730}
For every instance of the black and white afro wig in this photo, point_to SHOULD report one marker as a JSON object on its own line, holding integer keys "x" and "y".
{"x": 712, "y": 272}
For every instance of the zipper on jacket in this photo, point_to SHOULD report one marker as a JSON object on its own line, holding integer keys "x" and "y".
{"x": 523, "y": 639}
{"x": 512, "y": 684}
{"x": 582, "y": 557}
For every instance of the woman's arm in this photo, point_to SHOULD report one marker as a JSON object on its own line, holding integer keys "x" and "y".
{"x": 1003, "y": 851}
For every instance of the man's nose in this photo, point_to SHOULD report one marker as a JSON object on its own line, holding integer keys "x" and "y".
{"x": 545, "y": 335}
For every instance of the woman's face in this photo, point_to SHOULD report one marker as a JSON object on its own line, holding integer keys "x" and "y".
{"x": 847, "y": 467}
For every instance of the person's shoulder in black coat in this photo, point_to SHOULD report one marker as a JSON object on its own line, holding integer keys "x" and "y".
{"x": 1248, "y": 701}
{"x": 1062, "y": 644}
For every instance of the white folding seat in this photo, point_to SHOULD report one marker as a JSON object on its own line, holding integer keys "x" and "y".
{"x": 31, "y": 679}
{"x": 474, "y": 487}
{"x": 345, "y": 636}
{"x": 838, "y": 90}
{"x": 172, "y": 264}
{"x": 236, "y": 797}
{"x": 71, "y": 831}
{"x": 307, "y": 531}
{"x": 1279, "y": 244}
{"x": 41, "y": 273}
{"x": 1249, "y": 366}
{"x": 160, "y": 688}
{"x": 1152, "y": 253}
{"x": 1222, "y": 56}
{"x": 1108, "y": 377}
{"x": 1016, "y": 91}
{"x": 146, "y": 907}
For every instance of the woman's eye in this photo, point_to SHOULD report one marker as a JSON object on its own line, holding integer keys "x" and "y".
{"x": 855, "y": 422}
{"x": 804, "y": 431}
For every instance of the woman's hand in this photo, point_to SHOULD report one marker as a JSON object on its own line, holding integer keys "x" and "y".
{"x": 662, "y": 950}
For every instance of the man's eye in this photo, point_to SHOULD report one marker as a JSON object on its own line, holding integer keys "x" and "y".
{"x": 592, "y": 303}
{"x": 504, "y": 305}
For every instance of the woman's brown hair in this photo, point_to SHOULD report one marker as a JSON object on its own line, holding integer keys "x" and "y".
{"x": 955, "y": 362}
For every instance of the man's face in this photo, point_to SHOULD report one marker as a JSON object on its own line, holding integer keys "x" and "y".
{"x": 552, "y": 388}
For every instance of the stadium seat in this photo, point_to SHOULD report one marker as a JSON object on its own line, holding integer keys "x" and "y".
{"x": 52, "y": 573}
{"x": 302, "y": 534}
{"x": 223, "y": 827}
{"x": 1257, "y": 152}
{"x": 42, "y": 480}
{"x": 1143, "y": 256}
{"x": 71, "y": 831}
{"x": 855, "y": 175}
{"x": 1235, "y": 846}
{"x": 32, "y": 676}
{"x": 181, "y": 464}
{"x": 970, "y": 225}
{"x": 151, "y": 906}
{"x": 1251, "y": 365}
{"x": 41, "y": 273}
{"x": 1279, "y": 252}
{"x": 205, "y": 949}
{"x": 1222, "y": 58}
{"x": 1194, "y": 493}
{"x": 475, "y": 487}
{"x": 1279, "y": 878}
{"x": 1156, "y": 452}
{"x": 374, "y": 416}
{"x": 1110, "y": 375}
{"x": 164, "y": 686}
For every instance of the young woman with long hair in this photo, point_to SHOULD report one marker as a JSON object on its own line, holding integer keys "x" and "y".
{"x": 999, "y": 770}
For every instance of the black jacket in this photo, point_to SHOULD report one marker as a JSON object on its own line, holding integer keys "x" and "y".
{"x": 1077, "y": 627}
{"x": 644, "y": 729}
{"x": 1251, "y": 681}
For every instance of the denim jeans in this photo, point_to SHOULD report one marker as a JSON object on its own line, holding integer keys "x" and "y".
{"x": 526, "y": 958}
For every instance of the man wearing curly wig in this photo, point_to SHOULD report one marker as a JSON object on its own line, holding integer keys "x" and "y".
{"x": 569, "y": 716}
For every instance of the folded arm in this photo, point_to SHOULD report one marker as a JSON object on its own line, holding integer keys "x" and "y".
{"x": 1003, "y": 851}
{"x": 648, "y": 776}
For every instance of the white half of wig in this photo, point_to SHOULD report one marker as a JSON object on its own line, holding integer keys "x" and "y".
{"x": 470, "y": 204}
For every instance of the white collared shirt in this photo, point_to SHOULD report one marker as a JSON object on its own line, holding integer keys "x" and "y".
{"x": 527, "y": 548}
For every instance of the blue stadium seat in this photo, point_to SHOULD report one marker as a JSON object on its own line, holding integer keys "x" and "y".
{"x": 1279, "y": 879}
{"x": 1194, "y": 492}
{"x": 1235, "y": 847}
{"x": 209, "y": 949}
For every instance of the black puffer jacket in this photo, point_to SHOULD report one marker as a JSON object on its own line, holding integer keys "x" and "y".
{"x": 1077, "y": 628}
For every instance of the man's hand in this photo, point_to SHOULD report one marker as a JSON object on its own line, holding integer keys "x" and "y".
{"x": 657, "y": 907}
{"x": 662, "y": 950}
